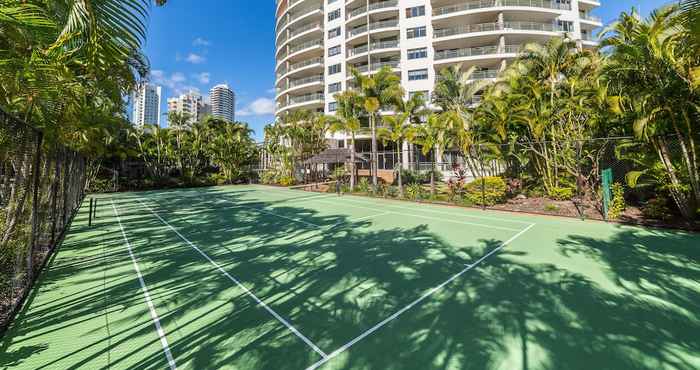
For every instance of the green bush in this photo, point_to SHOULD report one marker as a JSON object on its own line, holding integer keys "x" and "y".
{"x": 657, "y": 209}
{"x": 269, "y": 177}
{"x": 617, "y": 205}
{"x": 493, "y": 192}
{"x": 286, "y": 180}
{"x": 563, "y": 193}
{"x": 551, "y": 207}
{"x": 414, "y": 191}
{"x": 363, "y": 185}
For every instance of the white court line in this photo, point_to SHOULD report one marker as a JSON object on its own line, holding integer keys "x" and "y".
{"x": 417, "y": 301}
{"x": 240, "y": 285}
{"x": 425, "y": 217}
{"x": 147, "y": 296}
{"x": 388, "y": 202}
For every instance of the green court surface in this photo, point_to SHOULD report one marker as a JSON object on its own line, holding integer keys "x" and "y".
{"x": 254, "y": 277}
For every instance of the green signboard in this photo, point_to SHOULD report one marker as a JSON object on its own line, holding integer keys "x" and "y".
{"x": 607, "y": 178}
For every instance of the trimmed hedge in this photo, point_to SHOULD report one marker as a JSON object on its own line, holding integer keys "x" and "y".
{"x": 493, "y": 192}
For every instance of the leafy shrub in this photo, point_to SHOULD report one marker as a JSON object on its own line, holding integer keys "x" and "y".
{"x": 363, "y": 185}
{"x": 414, "y": 191}
{"x": 535, "y": 192}
{"x": 657, "y": 209}
{"x": 493, "y": 192}
{"x": 416, "y": 177}
{"x": 551, "y": 207}
{"x": 564, "y": 193}
{"x": 286, "y": 180}
{"x": 392, "y": 192}
{"x": 617, "y": 205}
{"x": 269, "y": 177}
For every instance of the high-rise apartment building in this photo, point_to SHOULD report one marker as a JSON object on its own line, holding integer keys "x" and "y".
{"x": 146, "y": 105}
{"x": 192, "y": 104}
{"x": 319, "y": 40}
{"x": 223, "y": 102}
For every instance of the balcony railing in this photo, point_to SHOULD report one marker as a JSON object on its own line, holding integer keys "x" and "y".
{"x": 376, "y": 66}
{"x": 486, "y": 27}
{"x": 379, "y": 45}
{"x": 305, "y": 45}
{"x": 375, "y": 6}
{"x": 306, "y": 98}
{"x": 305, "y": 28}
{"x": 591, "y": 17}
{"x": 483, "y": 75}
{"x": 373, "y": 26}
{"x": 305, "y": 63}
{"x": 478, "y": 51}
{"x": 481, "y": 4}
{"x": 305, "y": 81}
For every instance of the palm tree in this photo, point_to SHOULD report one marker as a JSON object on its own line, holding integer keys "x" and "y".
{"x": 433, "y": 135}
{"x": 378, "y": 90}
{"x": 455, "y": 93}
{"x": 658, "y": 87}
{"x": 347, "y": 120}
{"x": 399, "y": 125}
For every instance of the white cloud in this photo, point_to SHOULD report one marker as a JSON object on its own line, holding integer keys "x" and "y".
{"x": 201, "y": 42}
{"x": 176, "y": 81}
{"x": 203, "y": 77}
{"x": 259, "y": 107}
{"x": 195, "y": 58}
{"x": 272, "y": 90}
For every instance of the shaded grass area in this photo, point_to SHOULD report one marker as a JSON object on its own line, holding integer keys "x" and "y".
{"x": 565, "y": 295}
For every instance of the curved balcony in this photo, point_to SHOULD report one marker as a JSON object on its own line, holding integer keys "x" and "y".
{"x": 373, "y": 8}
{"x": 302, "y": 84}
{"x": 372, "y": 27}
{"x": 299, "y": 67}
{"x": 301, "y": 101}
{"x": 476, "y": 53}
{"x": 476, "y": 5}
{"x": 303, "y": 14}
{"x": 306, "y": 29}
{"x": 363, "y": 50}
{"x": 496, "y": 27}
{"x": 300, "y": 49}
{"x": 374, "y": 67}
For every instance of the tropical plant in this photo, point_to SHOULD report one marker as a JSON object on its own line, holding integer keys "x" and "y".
{"x": 376, "y": 91}
{"x": 347, "y": 120}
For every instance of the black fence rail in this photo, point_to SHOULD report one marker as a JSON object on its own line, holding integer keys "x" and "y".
{"x": 41, "y": 186}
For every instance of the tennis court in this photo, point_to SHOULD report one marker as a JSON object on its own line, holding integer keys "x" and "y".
{"x": 255, "y": 277}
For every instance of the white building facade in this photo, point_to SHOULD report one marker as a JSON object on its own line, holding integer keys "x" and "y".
{"x": 192, "y": 104}
{"x": 317, "y": 41}
{"x": 223, "y": 102}
{"x": 146, "y": 105}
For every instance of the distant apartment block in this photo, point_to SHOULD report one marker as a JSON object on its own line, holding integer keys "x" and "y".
{"x": 146, "y": 105}
{"x": 192, "y": 104}
{"x": 223, "y": 102}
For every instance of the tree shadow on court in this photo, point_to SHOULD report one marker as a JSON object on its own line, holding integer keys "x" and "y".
{"x": 334, "y": 284}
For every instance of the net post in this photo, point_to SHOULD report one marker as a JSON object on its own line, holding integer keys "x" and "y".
{"x": 90, "y": 212}
{"x": 94, "y": 210}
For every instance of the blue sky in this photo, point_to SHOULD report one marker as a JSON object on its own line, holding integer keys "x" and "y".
{"x": 198, "y": 44}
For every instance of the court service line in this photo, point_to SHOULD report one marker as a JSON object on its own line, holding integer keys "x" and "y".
{"x": 147, "y": 296}
{"x": 425, "y": 217}
{"x": 388, "y": 202}
{"x": 417, "y": 301}
{"x": 239, "y": 284}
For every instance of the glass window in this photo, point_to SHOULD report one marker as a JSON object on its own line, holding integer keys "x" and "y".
{"x": 416, "y": 11}
{"x": 417, "y": 53}
{"x": 418, "y": 74}
{"x": 416, "y": 32}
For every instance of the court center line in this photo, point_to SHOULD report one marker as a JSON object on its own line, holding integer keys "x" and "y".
{"x": 417, "y": 301}
{"x": 388, "y": 202}
{"x": 239, "y": 284}
{"x": 147, "y": 296}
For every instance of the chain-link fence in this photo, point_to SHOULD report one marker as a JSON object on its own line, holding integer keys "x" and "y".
{"x": 41, "y": 187}
{"x": 562, "y": 178}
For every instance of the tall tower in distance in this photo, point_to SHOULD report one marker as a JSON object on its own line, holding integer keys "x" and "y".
{"x": 223, "y": 102}
{"x": 146, "y": 105}
{"x": 192, "y": 104}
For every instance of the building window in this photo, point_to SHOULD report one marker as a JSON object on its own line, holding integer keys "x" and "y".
{"x": 334, "y": 33}
{"x": 416, "y": 32}
{"x": 334, "y": 69}
{"x": 332, "y": 106}
{"x": 418, "y": 74}
{"x": 334, "y": 51}
{"x": 334, "y": 87}
{"x": 416, "y": 11}
{"x": 424, "y": 94}
{"x": 419, "y": 53}
{"x": 334, "y": 15}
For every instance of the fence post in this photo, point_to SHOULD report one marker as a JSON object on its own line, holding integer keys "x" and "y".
{"x": 483, "y": 180}
{"x": 35, "y": 208}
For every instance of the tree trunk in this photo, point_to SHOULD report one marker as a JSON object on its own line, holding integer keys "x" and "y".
{"x": 681, "y": 200}
{"x": 400, "y": 159}
{"x": 352, "y": 164}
